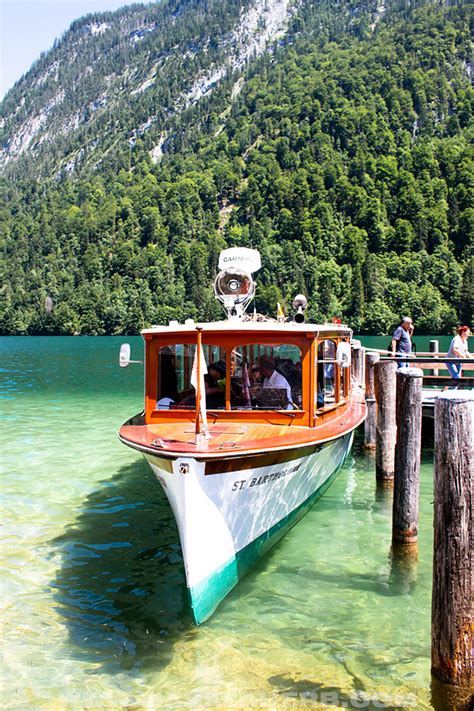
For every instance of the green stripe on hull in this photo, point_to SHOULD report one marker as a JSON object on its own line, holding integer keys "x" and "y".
{"x": 207, "y": 595}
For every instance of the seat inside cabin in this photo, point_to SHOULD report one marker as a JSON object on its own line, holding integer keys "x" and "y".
{"x": 270, "y": 398}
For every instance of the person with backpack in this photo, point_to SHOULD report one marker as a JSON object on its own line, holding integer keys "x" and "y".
{"x": 401, "y": 344}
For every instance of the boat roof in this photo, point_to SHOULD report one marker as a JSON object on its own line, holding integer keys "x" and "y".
{"x": 250, "y": 326}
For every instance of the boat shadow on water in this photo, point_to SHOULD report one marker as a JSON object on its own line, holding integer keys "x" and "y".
{"x": 121, "y": 585}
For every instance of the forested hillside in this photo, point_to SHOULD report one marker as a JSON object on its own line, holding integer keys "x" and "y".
{"x": 344, "y": 155}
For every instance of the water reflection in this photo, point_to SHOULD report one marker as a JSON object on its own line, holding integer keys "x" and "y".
{"x": 121, "y": 585}
{"x": 383, "y": 502}
{"x": 403, "y": 568}
{"x": 367, "y": 582}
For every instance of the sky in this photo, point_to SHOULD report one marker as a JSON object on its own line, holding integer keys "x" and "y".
{"x": 29, "y": 27}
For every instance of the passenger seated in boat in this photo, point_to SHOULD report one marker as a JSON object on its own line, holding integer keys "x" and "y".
{"x": 168, "y": 383}
{"x": 293, "y": 373}
{"x": 273, "y": 379}
{"x": 255, "y": 376}
{"x": 215, "y": 385}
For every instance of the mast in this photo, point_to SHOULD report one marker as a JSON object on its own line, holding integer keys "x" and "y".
{"x": 198, "y": 384}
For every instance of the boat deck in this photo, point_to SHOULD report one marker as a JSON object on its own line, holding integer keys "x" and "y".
{"x": 237, "y": 437}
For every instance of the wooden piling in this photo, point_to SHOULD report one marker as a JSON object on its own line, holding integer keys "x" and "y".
{"x": 358, "y": 355}
{"x": 446, "y": 697}
{"x": 453, "y": 587}
{"x": 371, "y": 420}
{"x": 386, "y": 428}
{"x": 407, "y": 455}
{"x": 434, "y": 348}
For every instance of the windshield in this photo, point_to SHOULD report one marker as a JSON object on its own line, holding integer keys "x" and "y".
{"x": 266, "y": 377}
{"x": 252, "y": 377}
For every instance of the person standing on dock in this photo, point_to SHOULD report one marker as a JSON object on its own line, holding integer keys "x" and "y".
{"x": 458, "y": 349}
{"x": 401, "y": 339}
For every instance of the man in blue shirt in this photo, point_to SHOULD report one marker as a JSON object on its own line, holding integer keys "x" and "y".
{"x": 401, "y": 340}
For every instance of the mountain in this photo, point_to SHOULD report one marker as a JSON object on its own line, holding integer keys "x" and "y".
{"x": 116, "y": 77}
{"x": 334, "y": 137}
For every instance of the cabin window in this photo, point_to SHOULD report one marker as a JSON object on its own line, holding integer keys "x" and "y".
{"x": 261, "y": 377}
{"x": 266, "y": 377}
{"x": 345, "y": 381}
{"x": 326, "y": 374}
{"x": 175, "y": 366}
{"x": 216, "y": 377}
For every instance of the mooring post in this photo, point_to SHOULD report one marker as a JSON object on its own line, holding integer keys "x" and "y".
{"x": 371, "y": 420}
{"x": 407, "y": 455}
{"x": 453, "y": 587}
{"x": 386, "y": 428}
{"x": 358, "y": 361}
{"x": 434, "y": 348}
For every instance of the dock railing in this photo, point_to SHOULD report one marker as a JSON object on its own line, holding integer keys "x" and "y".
{"x": 431, "y": 363}
{"x": 432, "y": 385}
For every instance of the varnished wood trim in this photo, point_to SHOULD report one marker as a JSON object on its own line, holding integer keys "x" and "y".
{"x": 223, "y": 466}
{"x": 151, "y": 377}
{"x": 296, "y": 418}
{"x": 330, "y": 408}
{"x": 312, "y": 363}
{"x": 165, "y": 464}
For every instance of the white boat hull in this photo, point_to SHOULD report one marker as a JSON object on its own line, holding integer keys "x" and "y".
{"x": 231, "y": 511}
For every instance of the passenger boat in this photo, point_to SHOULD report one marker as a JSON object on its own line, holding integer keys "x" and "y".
{"x": 246, "y": 422}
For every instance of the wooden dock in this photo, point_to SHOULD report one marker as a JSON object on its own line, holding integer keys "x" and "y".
{"x": 441, "y": 384}
{"x": 434, "y": 383}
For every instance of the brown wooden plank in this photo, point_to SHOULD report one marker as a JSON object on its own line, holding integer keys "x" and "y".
{"x": 462, "y": 382}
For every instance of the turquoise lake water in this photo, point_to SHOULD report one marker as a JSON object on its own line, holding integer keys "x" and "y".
{"x": 94, "y": 603}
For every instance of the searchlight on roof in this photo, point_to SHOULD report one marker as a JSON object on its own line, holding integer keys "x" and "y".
{"x": 234, "y": 286}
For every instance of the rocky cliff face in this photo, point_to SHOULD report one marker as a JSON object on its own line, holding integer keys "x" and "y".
{"x": 334, "y": 136}
{"x": 115, "y": 78}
